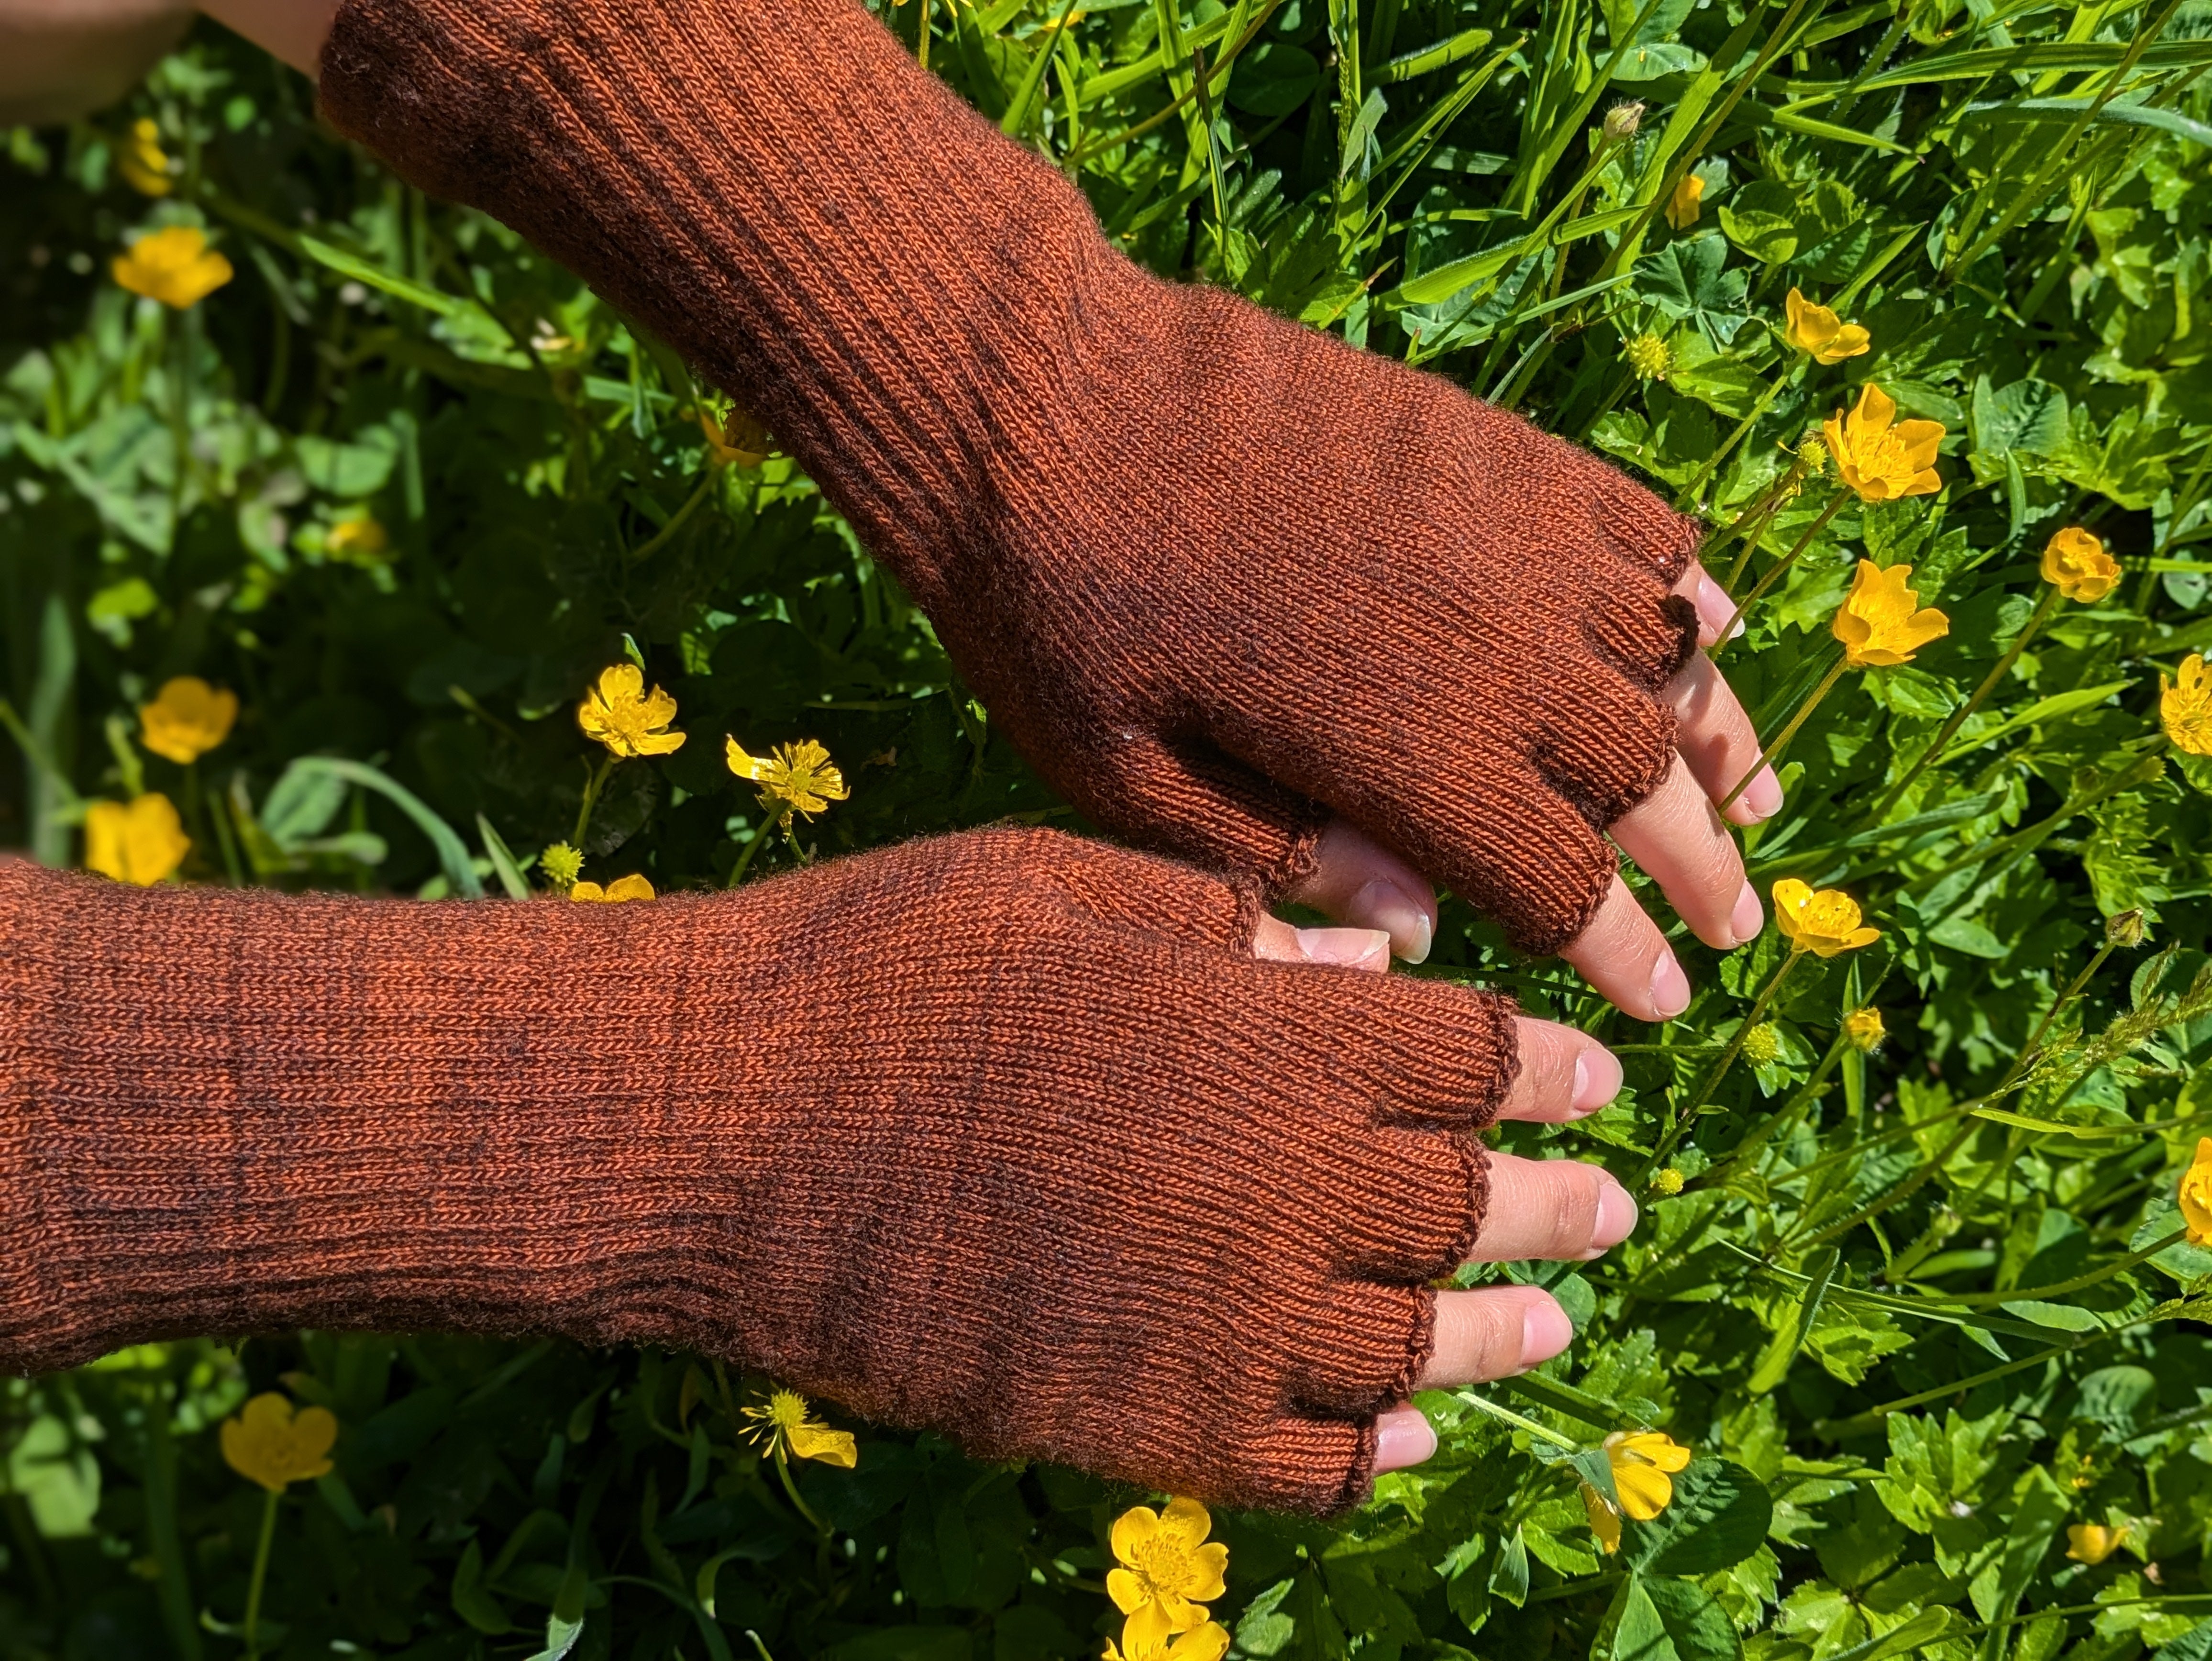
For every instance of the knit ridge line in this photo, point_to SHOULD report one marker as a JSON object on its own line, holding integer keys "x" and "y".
{"x": 1005, "y": 1135}
{"x": 1219, "y": 577}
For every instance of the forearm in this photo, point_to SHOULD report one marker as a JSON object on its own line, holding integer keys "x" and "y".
{"x": 236, "y": 1112}
{"x": 821, "y": 227}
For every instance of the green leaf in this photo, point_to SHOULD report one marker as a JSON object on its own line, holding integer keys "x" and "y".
{"x": 471, "y": 1602}
{"x": 453, "y": 854}
{"x": 1719, "y": 1515}
{"x": 399, "y": 288}
{"x": 1657, "y": 1619}
{"x": 2062, "y": 1318}
{"x": 1686, "y": 280}
{"x": 1761, "y": 219}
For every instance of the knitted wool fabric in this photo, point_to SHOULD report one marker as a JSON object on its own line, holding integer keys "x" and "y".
{"x": 1003, "y": 1136}
{"x": 1216, "y": 574}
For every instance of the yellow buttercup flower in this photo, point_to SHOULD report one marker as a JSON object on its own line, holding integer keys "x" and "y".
{"x": 781, "y": 1423}
{"x": 1207, "y": 1641}
{"x": 632, "y": 887}
{"x": 1683, "y": 208}
{"x": 2195, "y": 1195}
{"x": 1878, "y": 456}
{"x": 174, "y": 266}
{"x": 739, "y": 439}
{"x": 1817, "y": 330}
{"x": 2184, "y": 707}
{"x": 622, "y": 715}
{"x": 794, "y": 778}
{"x": 269, "y": 1443}
{"x": 1882, "y": 622}
{"x": 186, "y": 719}
{"x": 2076, "y": 564}
{"x": 143, "y": 162}
{"x": 2093, "y": 1542}
{"x": 1168, "y": 1571}
{"x": 1824, "y": 923}
{"x": 360, "y": 541}
{"x": 1642, "y": 1462}
{"x": 140, "y": 844}
{"x": 1864, "y": 1030}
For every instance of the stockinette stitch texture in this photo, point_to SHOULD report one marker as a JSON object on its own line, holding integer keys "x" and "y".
{"x": 1216, "y": 574}
{"x": 961, "y": 1134}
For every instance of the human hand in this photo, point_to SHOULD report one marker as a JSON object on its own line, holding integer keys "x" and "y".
{"x": 1674, "y": 835}
{"x": 1552, "y": 1208}
{"x": 1223, "y": 579}
{"x": 1005, "y": 1135}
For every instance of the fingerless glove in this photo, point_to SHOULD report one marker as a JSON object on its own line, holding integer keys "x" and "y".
{"x": 1218, "y": 575}
{"x": 1003, "y": 1135}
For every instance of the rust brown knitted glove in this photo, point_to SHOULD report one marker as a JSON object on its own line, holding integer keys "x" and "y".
{"x": 961, "y": 1135}
{"x": 1216, "y": 574}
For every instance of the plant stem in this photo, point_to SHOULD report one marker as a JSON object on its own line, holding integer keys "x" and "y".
{"x": 1782, "y": 739}
{"x": 783, "y": 1470}
{"x": 592, "y": 788}
{"x": 745, "y": 857}
{"x": 654, "y": 544}
{"x": 1703, "y": 1092}
{"x": 1950, "y": 729}
{"x": 1689, "y": 492}
{"x": 1512, "y": 1418}
{"x": 1834, "y": 507}
{"x": 260, "y": 1575}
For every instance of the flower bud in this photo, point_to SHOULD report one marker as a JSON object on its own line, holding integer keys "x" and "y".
{"x": 1622, "y": 120}
{"x": 562, "y": 864}
{"x": 1812, "y": 455}
{"x": 1762, "y": 1044}
{"x": 1666, "y": 1183}
{"x": 1864, "y": 1030}
{"x": 2126, "y": 930}
{"x": 1648, "y": 358}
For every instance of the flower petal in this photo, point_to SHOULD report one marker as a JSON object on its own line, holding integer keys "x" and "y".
{"x": 831, "y": 1447}
{"x": 1644, "y": 1490}
{"x": 1133, "y": 1530}
{"x": 1127, "y": 1590}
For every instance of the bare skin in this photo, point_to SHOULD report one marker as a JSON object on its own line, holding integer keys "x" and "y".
{"x": 1555, "y": 1208}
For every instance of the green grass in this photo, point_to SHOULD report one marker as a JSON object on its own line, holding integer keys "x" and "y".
{"x": 1915, "y": 1311}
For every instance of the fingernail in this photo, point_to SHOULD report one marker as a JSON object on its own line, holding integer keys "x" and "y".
{"x": 1350, "y": 948}
{"x": 1670, "y": 988}
{"x": 1386, "y": 906}
{"x": 1762, "y": 797}
{"x": 1717, "y": 608}
{"x": 1748, "y": 918}
{"x": 1597, "y": 1079}
{"x": 1545, "y": 1331}
{"x": 1616, "y": 1218}
{"x": 1402, "y": 1437}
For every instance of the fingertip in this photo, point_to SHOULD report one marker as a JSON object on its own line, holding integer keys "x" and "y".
{"x": 1598, "y": 1078}
{"x": 1545, "y": 1331}
{"x": 1403, "y": 1436}
{"x": 1409, "y": 922}
{"x": 1761, "y": 799}
{"x": 1670, "y": 988}
{"x": 1749, "y": 921}
{"x": 1716, "y": 611}
{"x": 1618, "y": 1214}
{"x": 1364, "y": 949}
